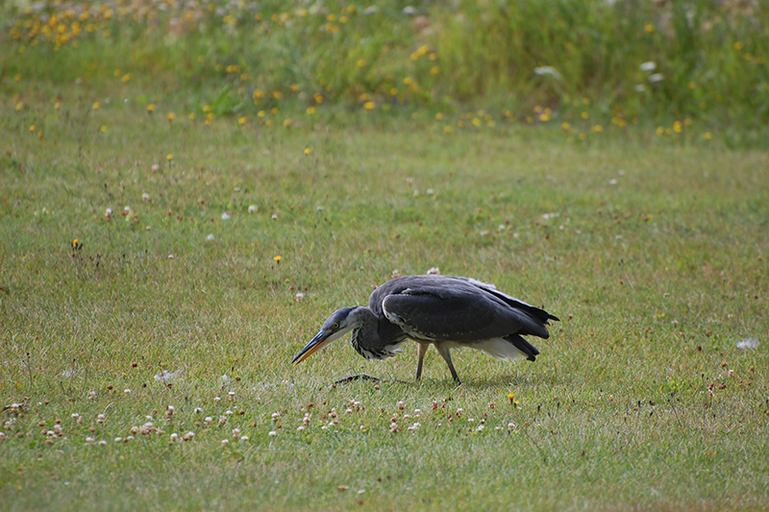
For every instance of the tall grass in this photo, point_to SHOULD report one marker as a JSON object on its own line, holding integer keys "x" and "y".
{"x": 709, "y": 58}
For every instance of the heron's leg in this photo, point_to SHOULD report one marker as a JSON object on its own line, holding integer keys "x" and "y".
{"x": 421, "y": 354}
{"x": 445, "y": 353}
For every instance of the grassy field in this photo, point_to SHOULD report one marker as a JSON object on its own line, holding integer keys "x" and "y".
{"x": 653, "y": 255}
{"x": 160, "y": 267}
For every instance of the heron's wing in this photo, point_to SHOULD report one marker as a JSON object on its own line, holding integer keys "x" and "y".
{"x": 456, "y": 310}
{"x": 543, "y": 315}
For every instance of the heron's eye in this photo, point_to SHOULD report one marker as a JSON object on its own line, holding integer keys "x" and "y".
{"x": 335, "y": 326}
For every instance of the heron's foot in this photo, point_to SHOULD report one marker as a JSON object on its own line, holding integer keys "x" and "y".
{"x": 360, "y": 376}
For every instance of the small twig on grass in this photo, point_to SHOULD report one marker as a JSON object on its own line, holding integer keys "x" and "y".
{"x": 363, "y": 376}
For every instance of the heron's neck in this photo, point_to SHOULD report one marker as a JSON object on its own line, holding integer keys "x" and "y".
{"x": 365, "y": 337}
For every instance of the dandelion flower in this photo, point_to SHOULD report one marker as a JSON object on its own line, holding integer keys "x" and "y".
{"x": 277, "y": 258}
{"x": 649, "y": 28}
{"x": 170, "y": 157}
{"x": 435, "y": 70}
{"x": 151, "y": 108}
{"x": 307, "y": 151}
{"x": 369, "y": 105}
{"x": 171, "y": 116}
{"x": 96, "y": 105}
{"x": 242, "y": 121}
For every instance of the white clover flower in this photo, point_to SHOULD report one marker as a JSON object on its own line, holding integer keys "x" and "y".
{"x": 548, "y": 71}
{"x": 210, "y": 237}
{"x": 639, "y": 88}
{"x": 656, "y": 77}
{"x": 252, "y": 208}
{"x": 648, "y": 66}
{"x": 225, "y": 216}
{"x": 272, "y": 433}
{"x": 146, "y": 197}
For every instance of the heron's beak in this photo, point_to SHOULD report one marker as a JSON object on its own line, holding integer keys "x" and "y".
{"x": 320, "y": 340}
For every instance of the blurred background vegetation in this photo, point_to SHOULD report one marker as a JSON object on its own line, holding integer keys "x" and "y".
{"x": 603, "y": 63}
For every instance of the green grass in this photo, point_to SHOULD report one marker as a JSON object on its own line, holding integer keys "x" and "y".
{"x": 708, "y": 59}
{"x": 651, "y": 248}
{"x": 656, "y": 278}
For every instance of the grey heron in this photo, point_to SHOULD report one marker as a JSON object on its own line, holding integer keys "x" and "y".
{"x": 444, "y": 311}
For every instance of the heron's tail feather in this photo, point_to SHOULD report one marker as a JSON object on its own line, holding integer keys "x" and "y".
{"x": 507, "y": 348}
{"x": 519, "y": 342}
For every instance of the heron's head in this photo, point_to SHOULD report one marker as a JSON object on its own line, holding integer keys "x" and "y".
{"x": 337, "y": 325}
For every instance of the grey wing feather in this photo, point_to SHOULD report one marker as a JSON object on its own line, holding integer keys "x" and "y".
{"x": 457, "y": 310}
{"x": 541, "y": 314}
